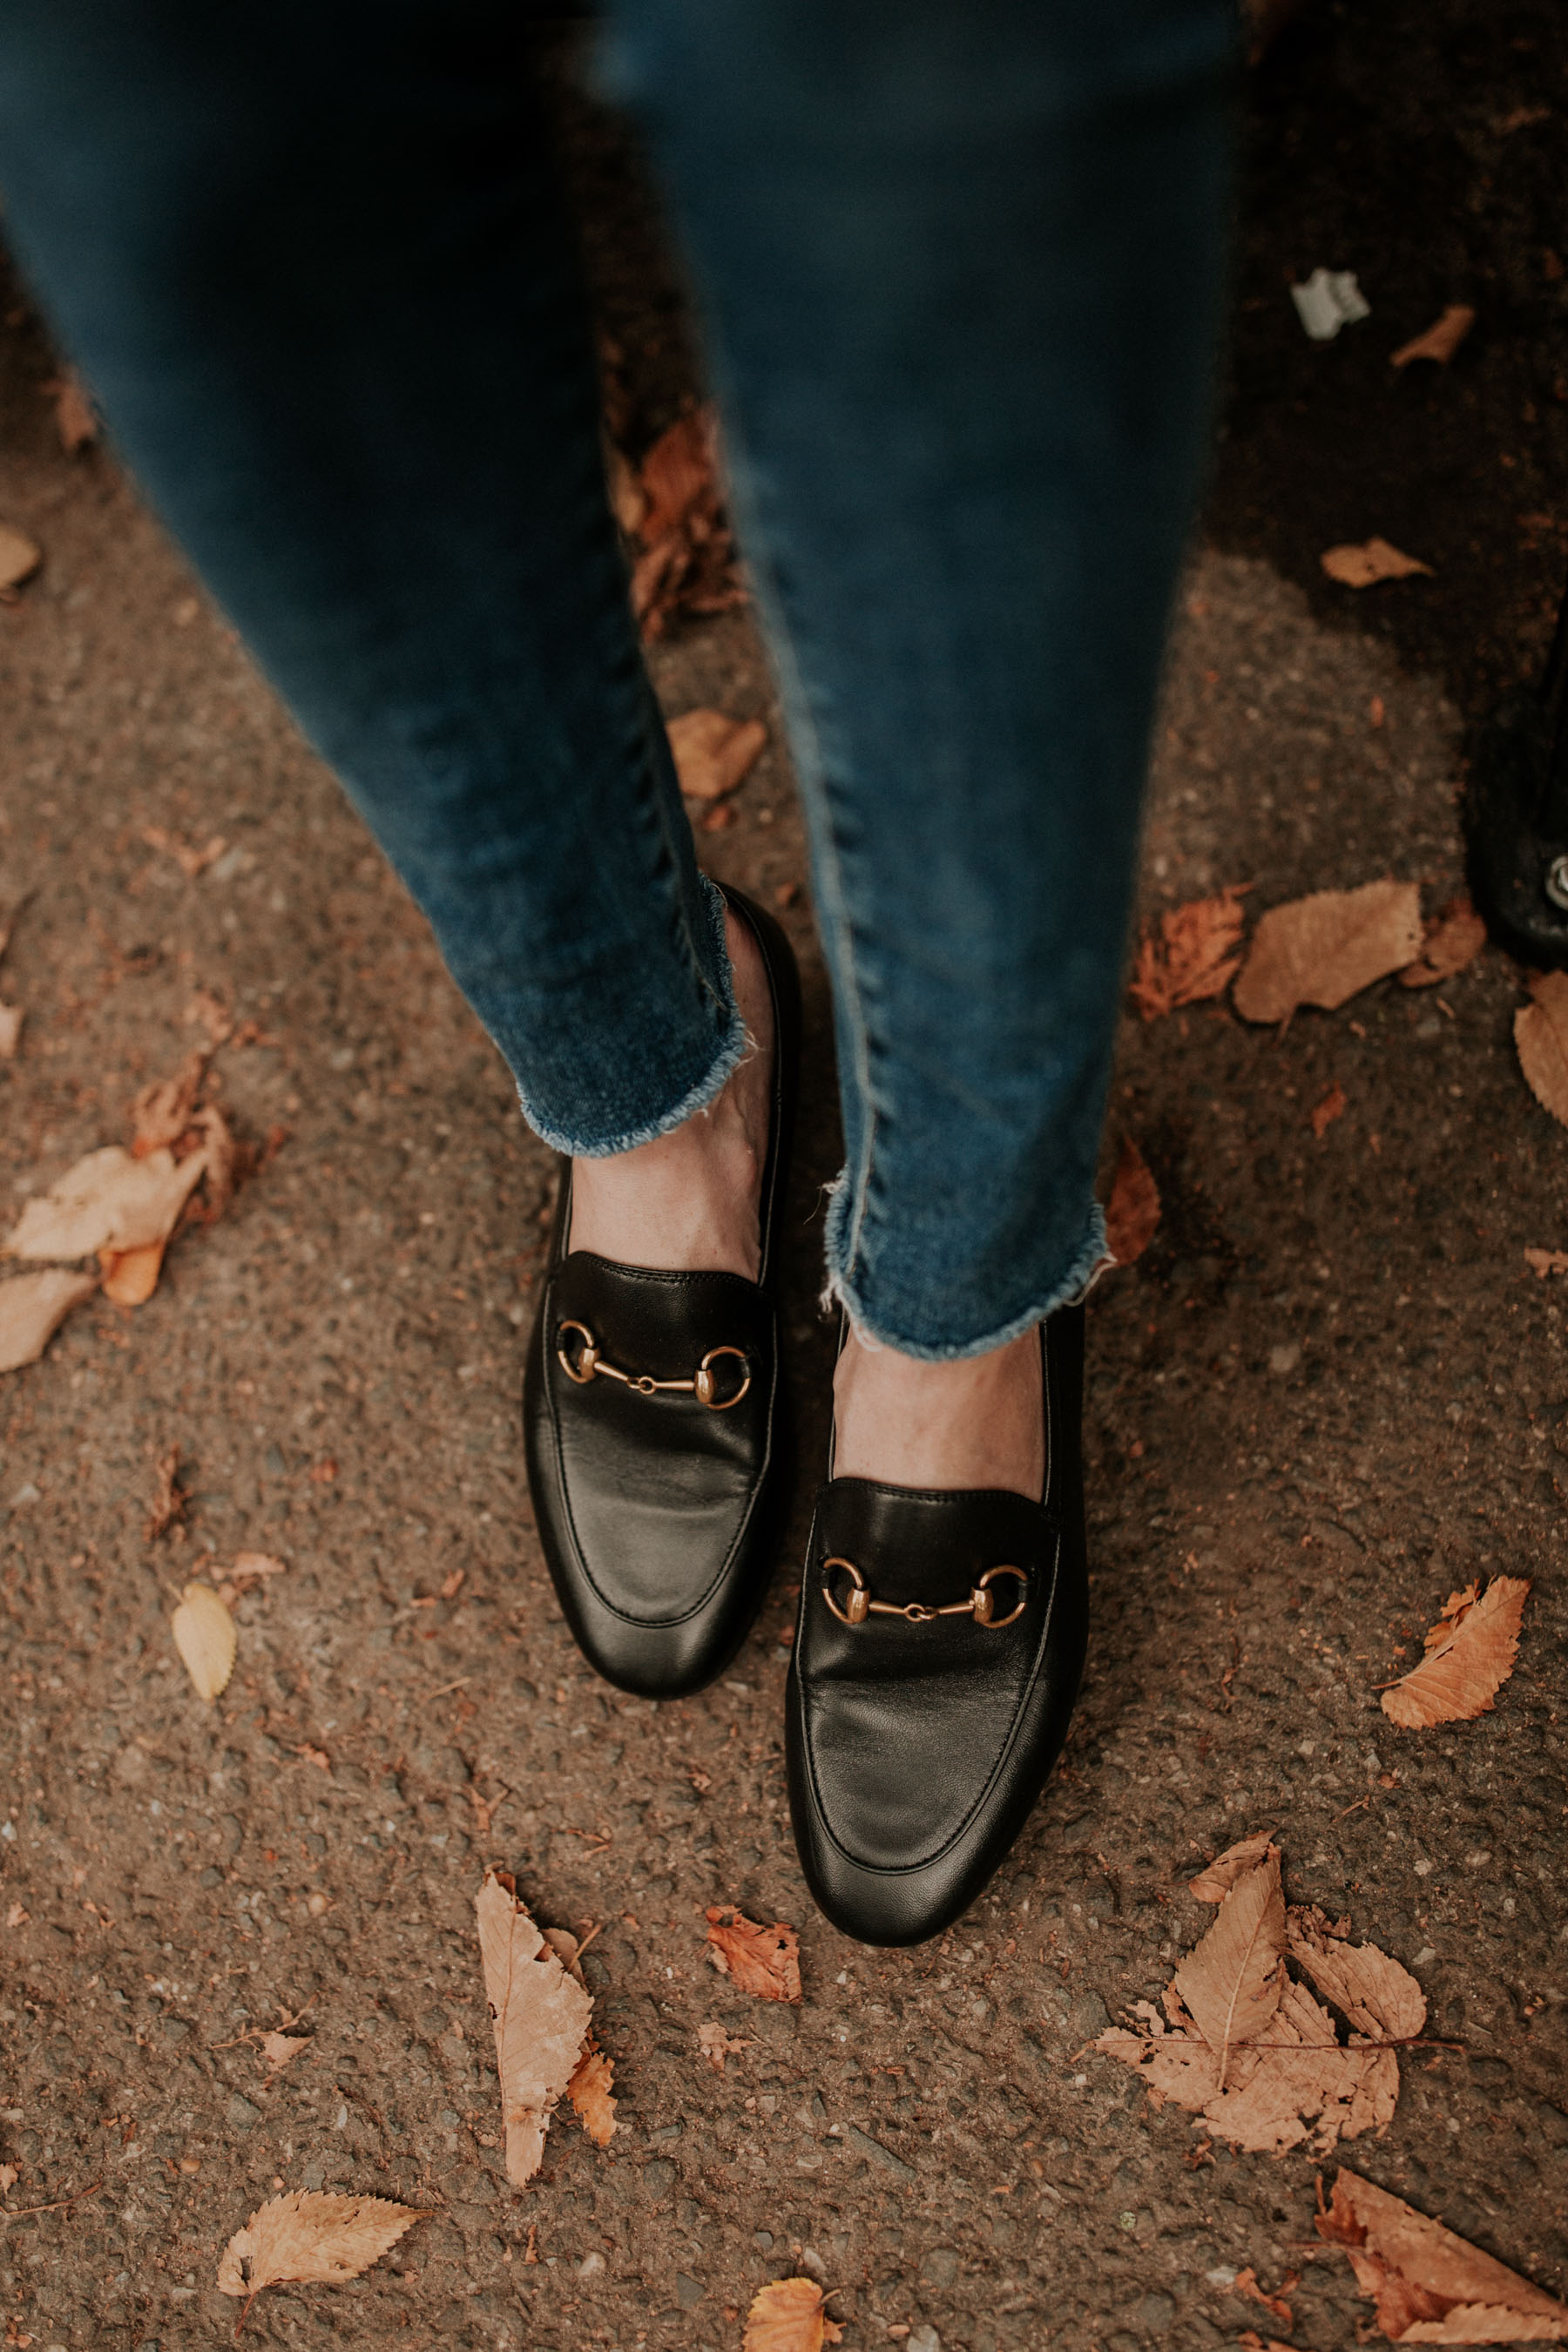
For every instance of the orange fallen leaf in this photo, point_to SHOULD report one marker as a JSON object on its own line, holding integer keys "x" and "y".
{"x": 540, "y": 2016}
{"x": 130, "y": 1276}
{"x": 1431, "y": 2286}
{"x": 716, "y": 2045}
{"x": 32, "y": 1308}
{"x": 1245, "y": 2282}
{"x": 311, "y": 2238}
{"x": 687, "y": 563}
{"x": 1213, "y": 1883}
{"x": 1545, "y": 1262}
{"x": 1541, "y": 1040}
{"x": 1364, "y": 566}
{"x": 714, "y": 752}
{"x": 789, "y": 2315}
{"x": 1194, "y": 955}
{"x": 1323, "y": 1115}
{"x": 1325, "y": 949}
{"x": 1469, "y": 1655}
{"x": 589, "y": 2091}
{"x": 756, "y": 1959}
{"x": 1232, "y": 1982}
{"x": 1441, "y": 340}
{"x": 1453, "y": 941}
{"x": 1133, "y": 1213}
{"x": 278, "y": 2049}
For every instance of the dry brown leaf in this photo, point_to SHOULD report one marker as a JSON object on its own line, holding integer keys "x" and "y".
{"x": 11, "y": 1019}
{"x": 1545, "y": 1262}
{"x": 108, "y": 1200}
{"x": 589, "y": 2091}
{"x": 311, "y": 2238}
{"x": 1541, "y": 1040}
{"x": 716, "y": 2045}
{"x": 130, "y": 1276}
{"x": 1364, "y": 566}
{"x": 32, "y": 1308}
{"x": 1469, "y": 1655}
{"x": 1322, "y": 1115}
{"x": 205, "y": 1639}
{"x": 9, "y": 2176}
{"x": 19, "y": 558}
{"x": 712, "y": 752}
{"x": 761, "y": 1960}
{"x": 1245, "y": 2282}
{"x": 688, "y": 563}
{"x": 192, "y": 861}
{"x": 277, "y": 2049}
{"x": 1453, "y": 941}
{"x": 1430, "y": 2285}
{"x": 1132, "y": 1212}
{"x": 220, "y": 1160}
{"x": 1294, "y": 2080}
{"x": 318, "y": 1756}
{"x": 1323, "y": 950}
{"x": 541, "y": 2017}
{"x": 789, "y": 2315}
{"x": 1231, "y": 1983}
{"x": 170, "y": 1500}
{"x": 1441, "y": 340}
{"x": 161, "y": 1113}
{"x": 253, "y": 1568}
{"x": 76, "y": 419}
{"x": 1214, "y": 1883}
{"x": 1192, "y": 957}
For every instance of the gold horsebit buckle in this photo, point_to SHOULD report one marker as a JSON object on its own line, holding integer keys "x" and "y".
{"x": 981, "y": 1604}
{"x": 589, "y": 1364}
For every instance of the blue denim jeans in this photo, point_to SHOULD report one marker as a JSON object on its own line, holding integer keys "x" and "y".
{"x": 958, "y": 263}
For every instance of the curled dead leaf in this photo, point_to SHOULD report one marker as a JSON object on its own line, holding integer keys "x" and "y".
{"x": 1325, "y": 949}
{"x": 714, "y": 752}
{"x": 789, "y": 2315}
{"x": 541, "y": 2015}
{"x": 1470, "y": 1653}
{"x": 590, "y": 2093}
{"x": 205, "y": 1639}
{"x": 1453, "y": 941}
{"x": 1541, "y": 1040}
{"x": 107, "y": 1201}
{"x": 130, "y": 1276}
{"x": 311, "y": 2238}
{"x": 1363, "y": 566}
{"x": 32, "y": 1308}
{"x": 756, "y": 1959}
{"x": 1192, "y": 955}
{"x": 1441, "y": 340}
{"x": 1213, "y": 1884}
{"x": 1132, "y": 1212}
{"x": 1430, "y": 2285}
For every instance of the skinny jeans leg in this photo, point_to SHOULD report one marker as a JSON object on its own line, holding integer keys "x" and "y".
{"x": 311, "y": 259}
{"x": 961, "y": 262}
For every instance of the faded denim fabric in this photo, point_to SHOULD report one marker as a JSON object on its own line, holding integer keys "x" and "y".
{"x": 960, "y": 264}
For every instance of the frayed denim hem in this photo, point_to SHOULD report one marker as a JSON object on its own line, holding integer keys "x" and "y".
{"x": 1090, "y": 1262}
{"x": 734, "y": 1046}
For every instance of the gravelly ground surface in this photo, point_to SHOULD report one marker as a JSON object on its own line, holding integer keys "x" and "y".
{"x": 1329, "y": 1392}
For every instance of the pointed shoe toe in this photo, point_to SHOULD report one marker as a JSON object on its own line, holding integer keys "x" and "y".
{"x": 938, "y": 1655}
{"x": 654, "y": 1423}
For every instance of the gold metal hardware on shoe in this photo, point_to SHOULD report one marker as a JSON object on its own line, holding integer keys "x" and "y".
{"x": 981, "y": 1604}
{"x": 589, "y": 1364}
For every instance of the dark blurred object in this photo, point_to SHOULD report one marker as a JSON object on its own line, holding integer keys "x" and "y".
{"x": 1261, "y": 20}
{"x": 1516, "y": 815}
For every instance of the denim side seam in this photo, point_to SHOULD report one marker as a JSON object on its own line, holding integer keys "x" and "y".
{"x": 736, "y": 1042}
{"x": 1088, "y": 1264}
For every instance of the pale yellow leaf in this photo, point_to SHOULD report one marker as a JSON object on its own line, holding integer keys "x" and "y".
{"x": 311, "y": 2238}
{"x": 789, "y": 2315}
{"x": 1469, "y": 1657}
{"x": 205, "y": 1639}
{"x": 1430, "y": 2285}
{"x": 1325, "y": 949}
{"x": 541, "y": 2017}
{"x": 32, "y": 1308}
{"x": 108, "y": 1200}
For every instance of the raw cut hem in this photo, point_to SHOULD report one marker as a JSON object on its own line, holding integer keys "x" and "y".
{"x": 1089, "y": 1262}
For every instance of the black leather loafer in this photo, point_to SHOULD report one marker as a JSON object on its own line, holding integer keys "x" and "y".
{"x": 653, "y": 1420}
{"x": 937, "y": 1658}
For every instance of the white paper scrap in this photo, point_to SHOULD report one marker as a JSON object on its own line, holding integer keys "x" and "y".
{"x": 1330, "y": 299}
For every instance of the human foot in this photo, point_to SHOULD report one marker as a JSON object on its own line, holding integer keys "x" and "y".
{"x": 977, "y": 1422}
{"x": 688, "y": 1201}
